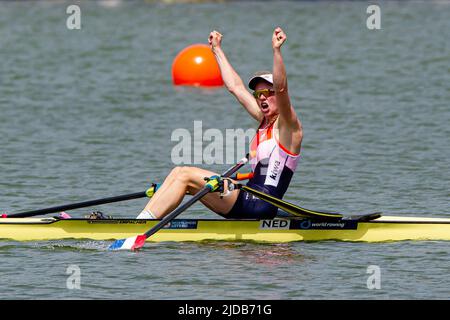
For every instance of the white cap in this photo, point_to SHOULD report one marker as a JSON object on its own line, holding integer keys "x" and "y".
{"x": 257, "y": 77}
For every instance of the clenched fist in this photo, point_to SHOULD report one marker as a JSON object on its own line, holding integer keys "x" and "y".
{"x": 215, "y": 39}
{"x": 278, "y": 38}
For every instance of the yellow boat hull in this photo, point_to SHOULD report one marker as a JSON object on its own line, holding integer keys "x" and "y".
{"x": 387, "y": 228}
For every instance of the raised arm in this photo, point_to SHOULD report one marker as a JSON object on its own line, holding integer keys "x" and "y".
{"x": 232, "y": 80}
{"x": 290, "y": 128}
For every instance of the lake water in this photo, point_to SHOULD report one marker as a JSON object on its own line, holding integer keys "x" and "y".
{"x": 89, "y": 113}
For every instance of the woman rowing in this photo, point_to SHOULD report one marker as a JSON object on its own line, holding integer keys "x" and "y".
{"x": 274, "y": 151}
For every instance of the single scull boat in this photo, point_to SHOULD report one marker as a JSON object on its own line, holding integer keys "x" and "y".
{"x": 367, "y": 228}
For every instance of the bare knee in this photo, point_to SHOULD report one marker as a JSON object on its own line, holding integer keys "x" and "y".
{"x": 191, "y": 177}
{"x": 185, "y": 175}
{"x": 175, "y": 171}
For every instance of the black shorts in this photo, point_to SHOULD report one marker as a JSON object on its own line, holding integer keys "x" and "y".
{"x": 248, "y": 206}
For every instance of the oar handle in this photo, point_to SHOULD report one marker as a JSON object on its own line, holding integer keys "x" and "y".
{"x": 78, "y": 205}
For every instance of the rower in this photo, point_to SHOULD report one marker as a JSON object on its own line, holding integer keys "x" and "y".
{"x": 274, "y": 151}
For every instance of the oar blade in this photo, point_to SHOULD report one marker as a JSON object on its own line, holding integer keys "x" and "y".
{"x": 139, "y": 243}
{"x": 132, "y": 243}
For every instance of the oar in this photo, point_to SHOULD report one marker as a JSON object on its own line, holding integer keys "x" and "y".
{"x": 148, "y": 193}
{"x": 290, "y": 207}
{"x": 136, "y": 242}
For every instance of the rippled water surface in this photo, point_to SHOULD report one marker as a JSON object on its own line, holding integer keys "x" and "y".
{"x": 87, "y": 114}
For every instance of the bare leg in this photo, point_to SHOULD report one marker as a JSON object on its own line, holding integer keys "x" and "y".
{"x": 187, "y": 179}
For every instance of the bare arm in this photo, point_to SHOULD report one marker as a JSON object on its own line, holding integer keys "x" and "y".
{"x": 232, "y": 80}
{"x": 290, "y": 128}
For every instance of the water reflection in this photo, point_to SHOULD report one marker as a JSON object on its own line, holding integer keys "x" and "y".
{"x": 270, "y": 254}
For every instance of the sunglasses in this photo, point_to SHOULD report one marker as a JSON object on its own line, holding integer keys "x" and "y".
{"x": 265, "y": 92}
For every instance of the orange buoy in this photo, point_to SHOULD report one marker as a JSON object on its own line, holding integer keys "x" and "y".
{"x": 196, "y": 66}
